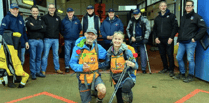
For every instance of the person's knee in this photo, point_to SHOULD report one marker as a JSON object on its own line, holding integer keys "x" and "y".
{"x": 190, "y": 59}
{"x": 178, "y": 58}
{"x": 126, "y": 88}
{"x": 127, "y": 97}
{"x": 101, "y": 90}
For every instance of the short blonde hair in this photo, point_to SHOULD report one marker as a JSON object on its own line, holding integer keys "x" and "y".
{"x": 118, "y": 32}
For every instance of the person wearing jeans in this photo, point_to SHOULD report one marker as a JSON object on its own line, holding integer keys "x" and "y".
{"x": 189, "y": 48}
{"x": 69, "y": 44}
{"x": 140, "y": 47}
{"x": 48, "y": 43}
{"x": 70, "y": 29}
{"x": 51, "y": 39}
{"x": 14, "y": 22}
{"x": 22, "y": 58}
{"x": 192, "y": 28}
{"x": 138, "y": 31}
{"x": 36, "y": 28}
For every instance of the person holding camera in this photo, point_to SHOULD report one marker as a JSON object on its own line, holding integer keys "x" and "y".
{"x": 138, "y": 31}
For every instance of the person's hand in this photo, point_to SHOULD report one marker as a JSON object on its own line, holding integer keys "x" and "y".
{"x": 133, "y": 39}
{"x": 130, "y": 64}
{"x": 177, "y": 43}
{"x": 193, "y": 40}
{"x": 145, "y": 41}
{"x": 157, "y": 41}
{"x": 26, "y": 45}
{"x": 170, "y": 41}
{"x": 31, "y": 24}
{"x": 110, "y": 37}
{"x": 86, "y": 67}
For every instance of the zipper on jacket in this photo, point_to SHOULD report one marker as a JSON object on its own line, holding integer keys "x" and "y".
{"x": 161, "y": 25}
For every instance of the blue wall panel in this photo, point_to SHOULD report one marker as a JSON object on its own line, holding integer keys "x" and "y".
{"x": 202, "y": 56}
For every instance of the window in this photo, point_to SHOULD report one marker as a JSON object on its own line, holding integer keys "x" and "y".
{"x": 37, "y": 2}
{"x": 126, "y": 7}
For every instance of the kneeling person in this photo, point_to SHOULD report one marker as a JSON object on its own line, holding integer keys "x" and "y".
{"x": 118, "y": 56}
{"x": 84, "y": 61}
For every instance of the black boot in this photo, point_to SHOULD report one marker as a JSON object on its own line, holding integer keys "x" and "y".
{"x": 3, "y": 83}
{"x": 21, "y": 86}
{"x": 189, "y": 79}
{"x": 11, "y": 85}
{"x": 18, "y": 80}
{"x": 179, "y": 76}
{"x": 163, "y": 71}
{"x": 67, "y": 70}
{"x": 144, "y": 72}
{"x": 171, "y": 73}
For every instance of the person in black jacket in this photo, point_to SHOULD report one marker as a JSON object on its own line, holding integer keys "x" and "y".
{"x": 90, "y": 20}
{"x": 51, "y": 39}
{"x": 36, "y": 28}
{"x": 192, "y": 29}
{"x": 164, "y": 30}
{"x": 138, "y": 31}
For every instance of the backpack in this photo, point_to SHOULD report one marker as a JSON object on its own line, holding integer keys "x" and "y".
{"x": 125, "y": 57}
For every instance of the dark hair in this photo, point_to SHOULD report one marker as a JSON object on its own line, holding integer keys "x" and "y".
{"x": 34, "y": 6}
{"x": 190, "y": 1}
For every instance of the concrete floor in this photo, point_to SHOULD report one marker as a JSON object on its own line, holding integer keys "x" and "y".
{"x": 149, "y": 88}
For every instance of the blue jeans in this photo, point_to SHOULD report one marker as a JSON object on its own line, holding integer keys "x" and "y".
{"x": 48, "y": 43}
{"x": 189, "y": 48}
{"x": 22, "y": 56}
{"x": 69, "y": 44}
{"x": 36, "y": 49}
{"x": 143, "y": 57}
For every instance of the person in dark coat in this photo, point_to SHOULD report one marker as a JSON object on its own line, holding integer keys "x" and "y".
{"x": 164, "y": 30}
{"x": 70, "y": 29}
{"x": 110, "y": 25}
{"x": 51, "y": 39}
{"x": 36, "y": 29}
{"x": 192, "y": 29}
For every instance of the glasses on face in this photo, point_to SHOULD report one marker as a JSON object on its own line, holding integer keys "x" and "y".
{"x": 189, "y": 5}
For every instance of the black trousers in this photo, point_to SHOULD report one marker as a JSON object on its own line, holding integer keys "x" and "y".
{"x": 126, "y": 88}
{"x": 165, "y": 50}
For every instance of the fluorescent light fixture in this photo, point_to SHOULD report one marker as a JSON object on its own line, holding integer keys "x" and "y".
{"x": 60, "y": 11}
{"x": 29, "y": 2}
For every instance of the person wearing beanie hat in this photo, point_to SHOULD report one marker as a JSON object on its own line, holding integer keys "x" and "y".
{"x": 90, "y": 20}
{"x": 70, "y": 29}
{"x": 109, "y": 26}
{"x": 138, "y": 31}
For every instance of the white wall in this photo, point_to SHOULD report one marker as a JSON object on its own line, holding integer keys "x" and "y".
{"x": 79, "y": 6}
{"x": 1, "y": 11}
